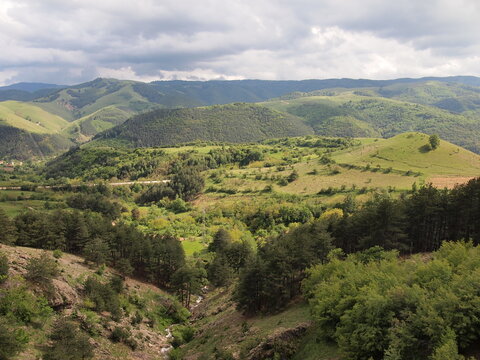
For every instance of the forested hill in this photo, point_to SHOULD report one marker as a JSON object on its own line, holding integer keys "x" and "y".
{"x": 364, "y": 113}
{"x": 226, "y": 123}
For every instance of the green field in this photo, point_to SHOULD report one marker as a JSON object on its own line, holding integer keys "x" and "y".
{"x": 29, "y": 117}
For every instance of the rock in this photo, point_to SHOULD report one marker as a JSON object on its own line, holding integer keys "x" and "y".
{"x": 64, "y": 296}
{"x": 284, "y": 340}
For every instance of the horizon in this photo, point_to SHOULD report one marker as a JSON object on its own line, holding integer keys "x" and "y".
{"x": 234, "y": 80}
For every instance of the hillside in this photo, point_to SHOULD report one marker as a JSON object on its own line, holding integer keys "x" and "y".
{"x": 226, "y": 123}
{"x": 67, "y": 298}
{"x": 334, "y": 107}
{"x": 410, "y": 151}
{"x": 348, "y": 113}
{"x": 31, "y": 118}
{"x": 20, "y": 144}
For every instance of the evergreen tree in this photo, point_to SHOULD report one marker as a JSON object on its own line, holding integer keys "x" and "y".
{"x": 8, "y": 231}
{"x": 68, "y": 343}
{"x": 97, "y": 251}
{"x": 220, "y": 241}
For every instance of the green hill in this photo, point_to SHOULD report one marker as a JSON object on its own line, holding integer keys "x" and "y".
{"x": 226, "y": 123}
{"x": 29, "y": 117}
{"x": 409, "y": 151}
{"x": 22, "y": 145}
{"x": 359, "y": 114}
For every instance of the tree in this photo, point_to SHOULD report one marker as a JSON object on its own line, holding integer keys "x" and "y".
{"x": 220, "y": 241}
{"x": 187, "y": 182}
{"x": 188, "y": 280}
{"x": 434, "y": 141}
{"x": 219, "y": 272}
{"x": 41, "y": 270}
{"x": 12, "y": 341}
{"x": 68, "y": 342}
{"x": 97, "y": 251}
{"x": 7, "y": 233}
{"x": 3, "y": 268}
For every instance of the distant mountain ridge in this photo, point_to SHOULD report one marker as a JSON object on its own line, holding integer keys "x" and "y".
{"x": 447, "y": 105}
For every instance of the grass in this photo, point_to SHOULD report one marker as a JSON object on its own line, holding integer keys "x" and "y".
{"x": 192, "y": 246}
{"x": 29, "y": 117}
{"x": 13, "y": 208}
{"x": 408, "y": 152}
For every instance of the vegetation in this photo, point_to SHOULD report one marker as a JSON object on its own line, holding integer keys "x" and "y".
{"x": 377, "y": 306}
{"x": 227, "y": 123}
{"x": 68, "y": 342}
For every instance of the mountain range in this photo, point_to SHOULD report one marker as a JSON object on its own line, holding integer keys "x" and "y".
{"x": 38, "y": 120}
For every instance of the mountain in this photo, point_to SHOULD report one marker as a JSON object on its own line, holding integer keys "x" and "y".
{"x": 225, "y": 123}
{"x": 360, "y": 113}
{"x": 31, "y": 87}
{"x": 339, "y": 107}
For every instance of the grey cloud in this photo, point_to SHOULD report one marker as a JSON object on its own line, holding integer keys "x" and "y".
{"x": 72, "y": 41}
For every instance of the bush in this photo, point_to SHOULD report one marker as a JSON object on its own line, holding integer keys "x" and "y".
{"x": 103, "y": 296}
{"x": 3, "y": 268}
{"x": 182, "y": 334}
{"x": 12, "y": 340}
{"x": 41, "y": 271}
{"x": 57, "y": 254}
{"x": 120, "y": 334}
{"x": 68, "y": 342}
{"x": 21, "y": 305}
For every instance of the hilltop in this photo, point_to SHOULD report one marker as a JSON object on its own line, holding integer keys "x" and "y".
{"x": 225, "y": 123}
{"x": 334, "y": 107}
{"x": 361, "y": 114}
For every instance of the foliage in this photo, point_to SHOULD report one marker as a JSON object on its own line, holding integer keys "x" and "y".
{"x": 8, "y": 233}
{"x": 3, "y": 267}
{"x": 68, "y": 342}
{"x": 272, "y": 279}
{"x": 41, "y": 271}
{"x": 20, "y": 305}
{"x": 382, "y": 307}
{"x": 104, "y": 296}
{"x": 228, "y": 123}
{"x": 434, "y": 141}
{"x": 12, "y": 340}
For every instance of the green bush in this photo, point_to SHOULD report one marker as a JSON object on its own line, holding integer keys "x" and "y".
{"x": 182, "y": 334}
{"x": 68, "y": 342}
{"x": 57, "y": 254}
{"x": 3, "y": 268}
{"x": 12, "y": 340}
{"x": 41, "y": 270}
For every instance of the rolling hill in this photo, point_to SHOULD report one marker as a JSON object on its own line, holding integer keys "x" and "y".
{"x": 361, "y": 114}
{"x": 334, "y": 107}
{"x": 225, "y": 123}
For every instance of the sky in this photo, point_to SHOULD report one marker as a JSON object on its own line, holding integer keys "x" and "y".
{"x": 73, "y": 41}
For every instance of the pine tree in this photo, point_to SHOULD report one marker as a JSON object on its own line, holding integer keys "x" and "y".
{"x": 8, "y": 231}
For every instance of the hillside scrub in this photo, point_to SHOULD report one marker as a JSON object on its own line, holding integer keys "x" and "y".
{"x": 375, "y": 305}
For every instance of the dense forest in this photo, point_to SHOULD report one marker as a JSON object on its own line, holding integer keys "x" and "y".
{"x": 227, "y": 123}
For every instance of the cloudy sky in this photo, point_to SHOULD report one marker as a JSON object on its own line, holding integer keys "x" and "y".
{"x": 71, "y": 41}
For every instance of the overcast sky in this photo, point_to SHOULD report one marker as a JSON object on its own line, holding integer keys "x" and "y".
{"x": 72, "y": 41}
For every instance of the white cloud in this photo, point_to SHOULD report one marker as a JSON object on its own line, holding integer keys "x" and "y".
{"x": 72, "y": 41}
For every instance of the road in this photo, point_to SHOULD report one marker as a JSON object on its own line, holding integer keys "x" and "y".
{"x": 123, "y": 183}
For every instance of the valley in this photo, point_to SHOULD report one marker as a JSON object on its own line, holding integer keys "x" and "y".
{"x": 261, "y": 230}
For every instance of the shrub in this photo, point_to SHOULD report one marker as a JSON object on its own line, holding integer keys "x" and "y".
{"x": 3, "y": 268}
{"x": 21, "y": 305}
{"x": 57, "y": 254}
{"x": 12, "y": 340}
{"x": 182, "y": 334}
{"x": 41, "y": 271}
{"x": 68, "y": 342}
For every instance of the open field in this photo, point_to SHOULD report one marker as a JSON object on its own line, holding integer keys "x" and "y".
{"x": 29, "y": 117}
